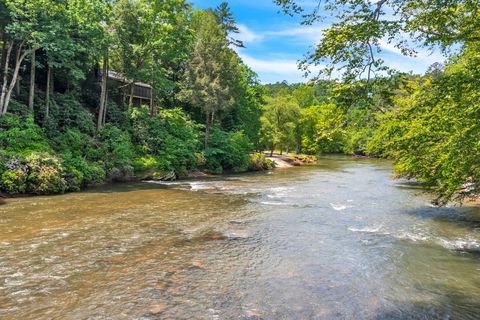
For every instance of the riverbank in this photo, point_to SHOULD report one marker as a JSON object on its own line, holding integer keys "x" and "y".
{"x": 291, "y": 160}
{"x": 258, "y": 162}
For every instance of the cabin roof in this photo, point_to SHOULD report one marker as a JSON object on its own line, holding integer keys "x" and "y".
{"x": 117, "y": 76}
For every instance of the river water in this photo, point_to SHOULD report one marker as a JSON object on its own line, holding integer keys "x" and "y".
{"x": 335, "y": 240}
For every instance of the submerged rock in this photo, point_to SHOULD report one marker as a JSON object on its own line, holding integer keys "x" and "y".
{"x": 252, "y": 314}
{"x": 212, "y": 236}
{"x": 198, "y": 264}
{"x": 158, "y": 308}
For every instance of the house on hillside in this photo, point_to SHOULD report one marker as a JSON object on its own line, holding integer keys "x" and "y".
{"x": 142, "y": 92}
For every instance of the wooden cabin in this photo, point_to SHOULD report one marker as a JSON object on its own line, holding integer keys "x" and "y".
{"x": 142, "y": 92}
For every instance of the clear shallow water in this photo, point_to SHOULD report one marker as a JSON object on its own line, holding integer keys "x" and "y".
{"x": 338, "y": 240}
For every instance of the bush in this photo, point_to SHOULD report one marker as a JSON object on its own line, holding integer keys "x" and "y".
{"x": 170, "y": 137}
{"x": 118, "y": 151}
{"x": 77, "y": 144}
{"x": 146, "y": 163}
{"x": 13, "y": 174}
{"x": 259, "y": 162}
{"x": 238, "y": 152}
{"x": 79, "y": 173}
{"x": 74, "y": 179}
{"x": 22, "y": 136}
{"x": 67, "y": 113}
{"x": 45, "y": 174}
{"x": 93, "y": 173}
{"x": 228, "y": 151}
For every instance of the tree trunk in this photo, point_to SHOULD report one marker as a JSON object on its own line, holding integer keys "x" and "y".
{"x": 103, "y": 95}
{"x": 17, "y": 87}
{"x": 105, "y": 109}
{"x": 207, "y": 129}
{"x": 132, "y": 91}
{"x": 4, "y": 52}
{"x": 18, "y": 62}
{"x": 5, "y": 78}
{"x": 47, "y": 92}
{"x": 273, "y": 149}
{"x": 31, "y": 91}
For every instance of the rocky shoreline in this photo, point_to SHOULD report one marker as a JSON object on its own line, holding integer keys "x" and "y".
{"x": 291, "y": 160}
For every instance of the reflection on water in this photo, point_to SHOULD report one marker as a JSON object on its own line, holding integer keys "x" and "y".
{"x": 338, "y": 240}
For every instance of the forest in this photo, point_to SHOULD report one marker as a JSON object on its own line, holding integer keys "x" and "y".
{"x": 97, "y": 91}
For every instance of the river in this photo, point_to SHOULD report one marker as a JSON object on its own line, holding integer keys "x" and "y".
{"x": 337, "y": 240}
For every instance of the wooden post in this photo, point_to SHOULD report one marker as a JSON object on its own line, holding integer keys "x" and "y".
{"x": 152, "y": 111}
{"x": 132, "y": 91}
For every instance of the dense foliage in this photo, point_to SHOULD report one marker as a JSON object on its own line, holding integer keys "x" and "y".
{"x": 74, "y": 125}
{"x": 430, "y": 125}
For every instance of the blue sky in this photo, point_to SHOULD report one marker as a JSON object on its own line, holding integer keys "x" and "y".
{"x": 275, "y": 42}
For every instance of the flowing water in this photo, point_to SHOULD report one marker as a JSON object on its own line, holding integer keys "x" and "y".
{"x": 336, "y": 240}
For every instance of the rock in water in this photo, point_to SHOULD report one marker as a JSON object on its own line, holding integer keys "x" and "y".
{"x": 158, "y": 308}
{"x": 164, "y": 176}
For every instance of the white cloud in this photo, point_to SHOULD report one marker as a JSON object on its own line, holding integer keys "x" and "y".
{"x": 271, "y": 70}
{"x": 308, "y": 33}
{"x": 247, "y": 35}
{"x": 277, "y": 65}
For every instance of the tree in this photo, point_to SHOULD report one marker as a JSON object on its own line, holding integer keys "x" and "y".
{"x": 23, "y": 32}
{"x": 147, "y": 36}
{"x": 354, "y": 39}
{"x": 433, "y": 132}
{"x": 244, "y": 115}
{"x": 324, "y": 129}
{"x": 208, "y": 77}
{"x": 305, "y": 96}
{"x": 280, "y": 117}
{"x": 58, "y": 28}
{"x": 226, "y": 19}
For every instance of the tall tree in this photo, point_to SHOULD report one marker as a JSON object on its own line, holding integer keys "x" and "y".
{"x": 280, "y": 117}
{"x": 208, "y": 78}
{"x": 227, "y": 20}
{"x": 147, "y": 35}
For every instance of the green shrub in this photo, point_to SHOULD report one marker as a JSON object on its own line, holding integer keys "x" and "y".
{"x": 118, "y": 153}
{"x": 45, "y": 174}
{"x": 77, "y": 144}
{"x": 13, "y": 174}
{"x": 181, "y": 140}
{"x": 66, "y": 112}
{"x": 22, "y": 136}
{"x": 18, "y": 108}
{"x": 121, "y": 174}
{"x": 170, "y": 137}
{"x": 259, "y": 162}
{"x": 228, "y": 151}
{"x": 74, "y": 179}
{"x": 89, "y": 173}
{"x": 145, "y": 163}
{"x": 93, "y": 173}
